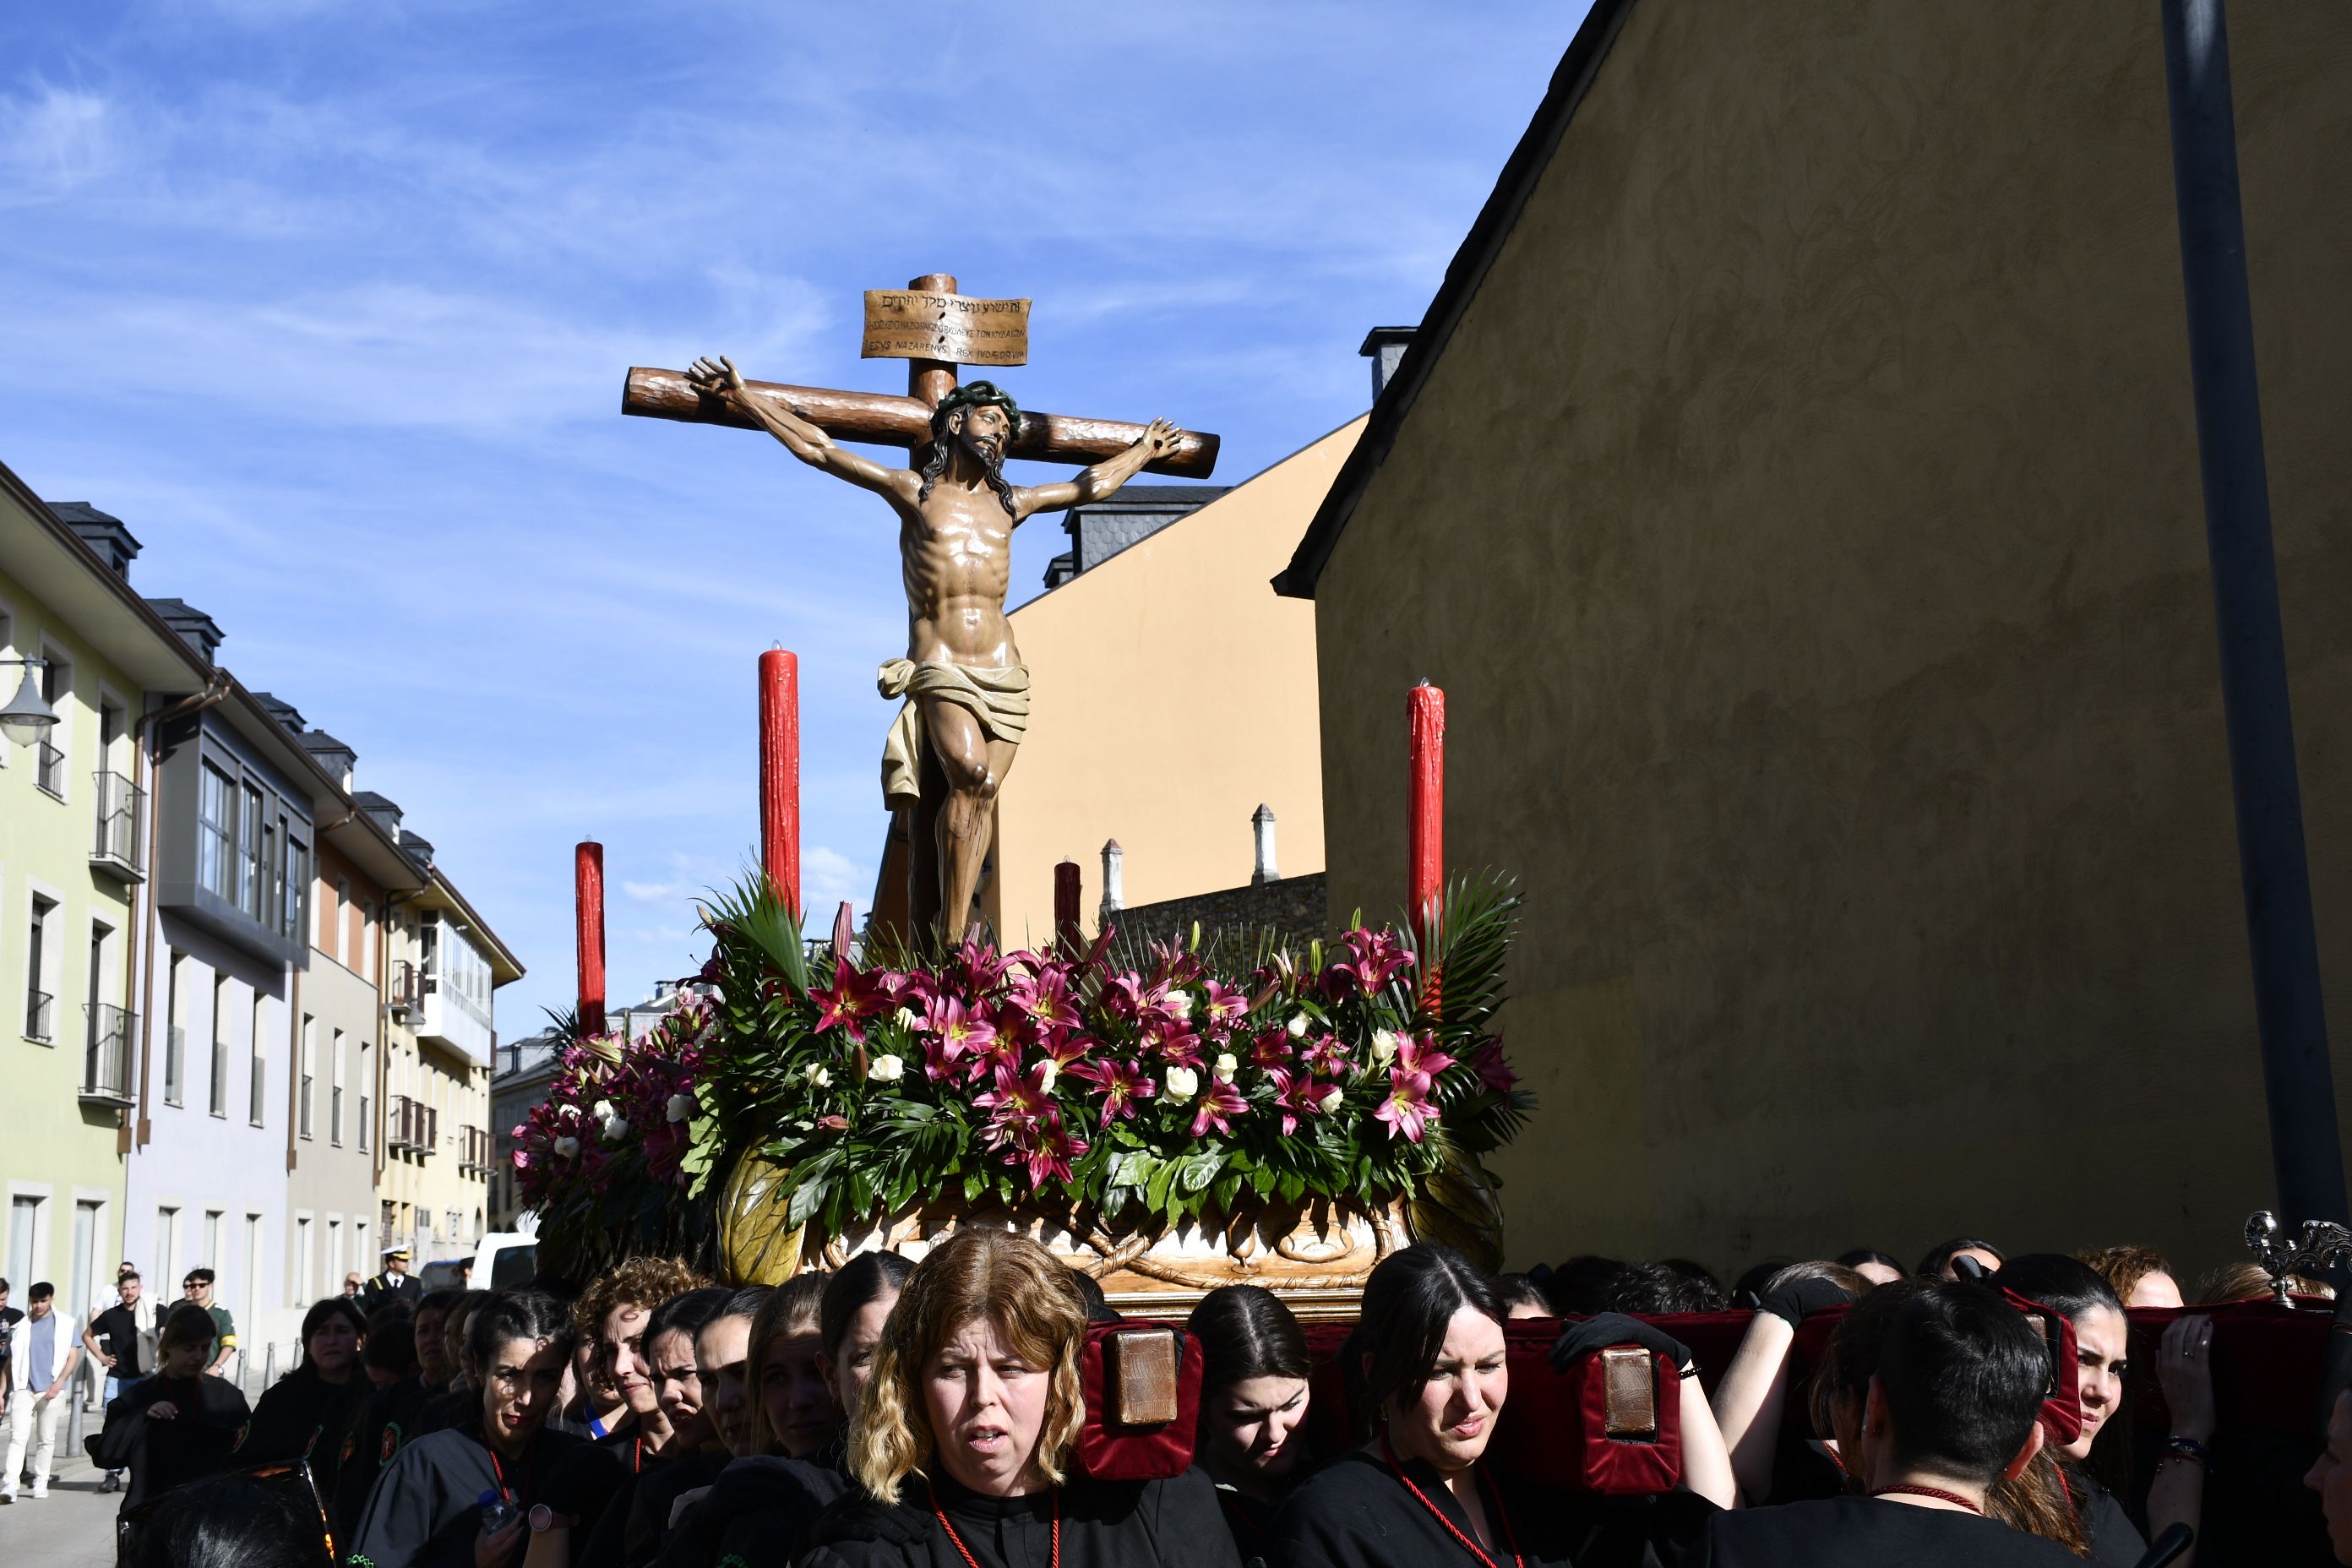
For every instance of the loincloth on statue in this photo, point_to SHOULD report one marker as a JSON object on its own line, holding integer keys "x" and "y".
{"x": 999, "y": 699}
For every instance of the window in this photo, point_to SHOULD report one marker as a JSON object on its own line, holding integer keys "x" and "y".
{"x": 367, "y": 1100}
{"x": 40, "y": 960}
{"x": 336, "y": 941}
{"x": 260, "y": 1033}
{"x": 305, "y": 1265}
{"x": 335, "y": 1090}
{"x": 309, "y": 1067}
{"x": 334, "y": 1250}
{"x": 56, "y": 687}
{"x": 257, "y": 1080}
{"x": 167, "y": 1243}
{"x": 175, "y": 1033}
{"x": 249, "y": 863}
{"x": 293, "y": 879}
{"x": 219, "y": 1101}
{"x": 253, "y": 1266}
{"x": 366, "y": 966}
{"x": 23, "y": 1231}
{"x": 211, "y": 1258}
{"x": 216, "y": 834}
{"x": 77, "y": 1293}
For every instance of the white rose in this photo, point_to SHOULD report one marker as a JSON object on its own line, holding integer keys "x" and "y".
{"x": 1177, "y": 1004}
{"x": 1048, "y": 1070}
{"x": 1183, "y": 1083}
{"x": 906, "y": 1017}
{"x": 816, "y": 1075}
{"x": 886, "y": 1069}
{"x": 681, "y": 1106}
{"x": 1331, "y": 1098}
{"x": 1384, "y": 1046}
{"x": 601, "y": 1111}
{"x": 1224, "y": 1067}
{"x": 1297, "y": 1027}
{"x": 567, "y": 1148}
{"x": 616, "y": 1129}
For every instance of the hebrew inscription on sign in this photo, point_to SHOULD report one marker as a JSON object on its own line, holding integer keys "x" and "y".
{"x": 904, "y": 323}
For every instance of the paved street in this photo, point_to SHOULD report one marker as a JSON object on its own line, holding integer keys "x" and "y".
{"x": 73, "y": 1527}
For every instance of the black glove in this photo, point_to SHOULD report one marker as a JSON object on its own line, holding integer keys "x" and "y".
{"x": 1597, "y": 1333}
{"x": 1966, "y": 1268}
{"x": 1800, "y": 1299}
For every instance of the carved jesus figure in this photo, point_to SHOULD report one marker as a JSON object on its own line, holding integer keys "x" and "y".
{"x": 967, "y": 693}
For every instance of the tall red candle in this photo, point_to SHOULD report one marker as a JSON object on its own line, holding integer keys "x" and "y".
{"x": 588, "y": 896}
{"x": 780, "y": 774}
{"x": 1425, "y": 804}
{"x": 1065, "y": 907}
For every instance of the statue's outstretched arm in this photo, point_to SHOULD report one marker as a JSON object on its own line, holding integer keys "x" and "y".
{"x": 803, "y": 440}
{"x": 1158, "y": 440}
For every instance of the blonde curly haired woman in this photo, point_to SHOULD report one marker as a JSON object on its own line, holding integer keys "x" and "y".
{"x": 962, "y": 1442}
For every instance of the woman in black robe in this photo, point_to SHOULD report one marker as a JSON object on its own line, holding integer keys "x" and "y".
{"x": 1253, "y": 1397}
{"x": 431, "y": 1505}
{"x": 178, "y": 1425}
{"x": 962, "y": 1443}
{"x": 312, "y": 1412}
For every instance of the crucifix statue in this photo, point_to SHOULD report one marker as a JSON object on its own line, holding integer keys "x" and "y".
{"x": 966, "y": 692}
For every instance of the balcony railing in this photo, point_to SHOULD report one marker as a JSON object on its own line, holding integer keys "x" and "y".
{"x": 475, "y": 1159}
{"x": 413, "y": 1125}
{"x": 106, "y": 1058}
{"x": 51, "y": 774}
{"x": 41, "y": 1017}
{"x": 120, "y": 805}
{"x": 406, "y": 992}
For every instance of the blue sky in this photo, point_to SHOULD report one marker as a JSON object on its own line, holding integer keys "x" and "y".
{"x": 331, "y": 303}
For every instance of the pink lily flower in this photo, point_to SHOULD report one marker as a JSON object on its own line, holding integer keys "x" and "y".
{"x": 1407, "y": 1109}
{"x": 1219, "y": 1102}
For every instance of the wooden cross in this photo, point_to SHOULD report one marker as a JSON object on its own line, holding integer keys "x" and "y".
{"x": 881, "y": 418}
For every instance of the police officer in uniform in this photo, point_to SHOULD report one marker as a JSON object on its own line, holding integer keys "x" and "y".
{"x": 394, "y": 1285}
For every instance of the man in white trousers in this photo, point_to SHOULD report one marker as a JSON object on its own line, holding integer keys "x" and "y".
{"x": 42, "y": 1356}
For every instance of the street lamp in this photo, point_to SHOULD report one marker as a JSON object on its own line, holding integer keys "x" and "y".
{"x": 28, "y": 715}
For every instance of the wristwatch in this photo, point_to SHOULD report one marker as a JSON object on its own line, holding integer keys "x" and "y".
{"x": 543, "y": 1517}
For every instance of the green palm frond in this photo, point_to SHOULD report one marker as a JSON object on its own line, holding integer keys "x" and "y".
{"x": 752, "y": 912}
{"x": 1476, "y": 917}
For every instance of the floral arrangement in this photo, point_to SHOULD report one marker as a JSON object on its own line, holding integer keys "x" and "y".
{"x": 1143, "y": 1087}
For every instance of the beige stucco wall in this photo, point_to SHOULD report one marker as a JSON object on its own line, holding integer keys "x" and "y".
{"x": 1805, "y": 525}
{"x": 1172, "y": 693}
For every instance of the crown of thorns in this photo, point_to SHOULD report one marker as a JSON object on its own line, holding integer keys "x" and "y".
{"x": 973, "y": 395}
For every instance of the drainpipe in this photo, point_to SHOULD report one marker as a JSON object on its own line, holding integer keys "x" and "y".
{"x": 2307, "y": 1155}
{"x": 142, "y": 748}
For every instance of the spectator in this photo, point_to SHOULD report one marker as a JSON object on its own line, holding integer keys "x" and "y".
{"x": 313, "y": 1412}
{"x": 1252, "y": 1438}
{"x": 426, "y": 1508}
{"x": 42, "y": 1356}
{"x": 178, "y": 1425}
{"x": 1872, "y": 1265}
{"x": 1952, "y": 1406}
{"x": 9, "y": 1317}
{"x": 964, "y": 1438}
{"x": 1520, "y": 1296}
{"x": 352, "y": 1283}
{"x": 1937, "y": 1264}
{"x": 121, "y": 1338}
{"x": 197, "y": 1287}
{"x": 2138, "y": 1275}
{"x": 393, "y": 1286}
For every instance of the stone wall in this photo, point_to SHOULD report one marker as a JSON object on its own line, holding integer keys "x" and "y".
{"x": 1293, "y": 905}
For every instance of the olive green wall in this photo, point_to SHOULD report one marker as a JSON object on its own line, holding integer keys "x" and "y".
{"x": 1804, "y": 523}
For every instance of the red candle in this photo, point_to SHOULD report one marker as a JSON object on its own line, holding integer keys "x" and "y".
{"x": 588, "y": 894}
{"x": 780, "y": 775}
{"x": 1425, "y": 804}
{"x": 1065, "y": 907}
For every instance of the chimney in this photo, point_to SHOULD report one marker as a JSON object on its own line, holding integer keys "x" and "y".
{"x": 1114, "y": 897}
{"x": 105, "y": 534}
{"x": 194, "y": 627}
{"x": 1384, "y": 346}
{"x": 1262, "y": 826}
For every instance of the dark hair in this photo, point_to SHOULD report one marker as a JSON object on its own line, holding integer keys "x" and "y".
{"x": 1090, "y": 1291}
{"x": 1939, "y": 1257}
{"x": 120, "y": 1275}
{"x": 1655, "y": 1287}
{"x": 1749, "y": 1288}
{"x": 744, "y": 1301}
{"x": 1856, "y": 1257}
{"x": 685, "y": 1314}
{"x": 1855, "y": 1285}
{"x": 185, "y": 1324}
{"x": 934, "y": 461}
{"x": 314, "y": 1319}
{"x": 41, "y": 1291}
{"x": 864, "y": 1280}
{"x": 204, "y": 1275}
{"x": 1245, "y": 1332}
{"x": 1580, "y": 1287}
{"x": 1963, "y": 1375}
{"x": 229, "y": 1522}
{"x": 508, "y": 1315}
{"x": 2067, "y": 1286}
{"x": 4, "y": 1283}
{"x": 1409, "y": 1299}
{"x": 391, "y": 1343}
{"x": 1518, "y": 1290}
{"x": 439, "y": 1300}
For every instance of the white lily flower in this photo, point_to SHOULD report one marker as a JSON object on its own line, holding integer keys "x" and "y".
{"x": 601, "y": 1111}
{"x": 816, "y": 1075}
{"x": 567, "y": 1148}
{"x": 906, "y": 1017}
{"x": 1224, "y": 1067}
{"x": 1297, "y": 1027}
{"x": 1183, "y": 1083}
{"x": 680, "y": 1107}
{"x": 886, "y": 1069}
